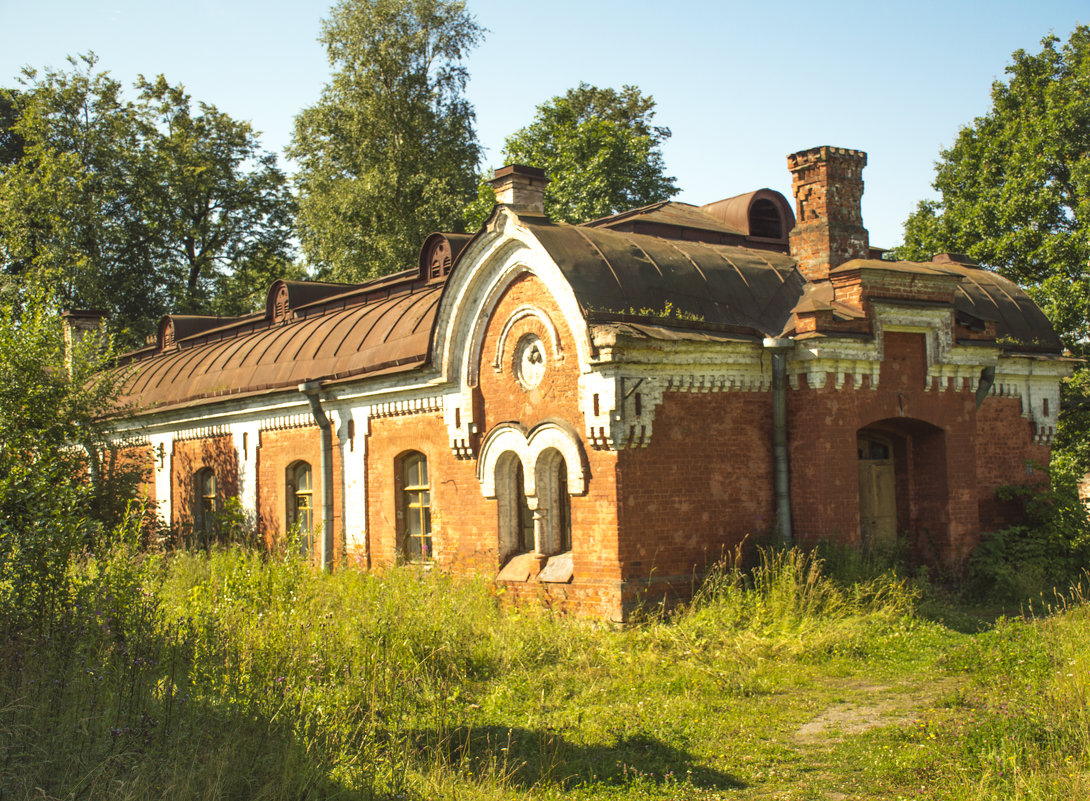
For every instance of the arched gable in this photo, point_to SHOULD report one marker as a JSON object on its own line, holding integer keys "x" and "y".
{"x": 501, "y": 253}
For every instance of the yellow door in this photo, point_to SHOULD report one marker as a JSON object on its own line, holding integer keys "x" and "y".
{"x": 877, "y": 494}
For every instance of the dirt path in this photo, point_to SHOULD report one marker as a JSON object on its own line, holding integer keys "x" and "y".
{"x": 872, "y": 706}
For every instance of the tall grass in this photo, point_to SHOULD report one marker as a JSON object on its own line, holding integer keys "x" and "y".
{"x": 233, "y": 674}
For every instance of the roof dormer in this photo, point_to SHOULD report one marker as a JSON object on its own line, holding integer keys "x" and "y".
{"x": 438, "y": 253}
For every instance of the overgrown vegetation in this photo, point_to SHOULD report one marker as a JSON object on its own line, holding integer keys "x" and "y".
{"x": 238, "y": 675}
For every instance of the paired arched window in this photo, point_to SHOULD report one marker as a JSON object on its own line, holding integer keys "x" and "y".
{"x": 539, "y": 522}
{"x": 300, "y": 498}
{"x": 205, "y": 511}
{"x": 414, "y": 508}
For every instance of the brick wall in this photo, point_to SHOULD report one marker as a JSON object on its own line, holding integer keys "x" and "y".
{"x": 1006, "y": 455}
{"x": 702, "y": 486}
{"x": 463, "y": 522}
{"x": 189, "y": 457}
{"x": 945, "y": 449}
{"x": 131, "y": 466}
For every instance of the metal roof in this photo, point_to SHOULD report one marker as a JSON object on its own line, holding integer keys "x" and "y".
{"x": 639, "y": 285}
{"x": 622, "y": 276}
{"x": 382, "y": 336}
{"x": 985, "y": 296}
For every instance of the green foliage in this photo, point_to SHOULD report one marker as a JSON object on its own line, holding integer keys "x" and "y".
{"x": 58, "y": 495}
{"x": 1015, "y": 185}
{"x": 11, "y": 143}
{"x": 388, "y": 154}
{"x": 1051, "y": 549}
{"x": 478, "y": 210}
{"x": 1015, "y": 195}
{"x": 600, "y": 150}
{"x": 232, "y": 674}
{"x": 136, "y": 208}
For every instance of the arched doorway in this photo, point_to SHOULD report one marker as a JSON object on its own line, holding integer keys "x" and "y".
{"x": 904, "y": 497}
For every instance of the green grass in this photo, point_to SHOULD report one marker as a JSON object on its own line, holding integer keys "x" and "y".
{"x": 229, "y": 675}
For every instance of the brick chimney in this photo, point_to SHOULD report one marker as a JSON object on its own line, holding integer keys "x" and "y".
{"x": 520, "y": 188}
{"x": 828, "y": 186}
{"x": 77, "y": 325}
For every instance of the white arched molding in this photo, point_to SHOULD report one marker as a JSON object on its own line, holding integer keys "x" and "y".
{"x": 545, "y": 437}
{"x": 521, "y": 313}
{"x": 555, "y": 437}
{"x": 503, "y": 439}
{"x": 491, "y": 262}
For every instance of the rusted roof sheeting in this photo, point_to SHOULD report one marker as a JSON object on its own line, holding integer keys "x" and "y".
{"x": 988, "y": 296}
{"x": 713, "y": 286}
{"x": 384, "y": 336}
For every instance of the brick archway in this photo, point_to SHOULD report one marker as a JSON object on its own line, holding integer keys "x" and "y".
{"x": 904, "y": 494}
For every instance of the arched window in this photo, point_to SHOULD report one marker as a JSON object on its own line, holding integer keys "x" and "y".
{"x": 205, "y": 517}
{"x": 554, "y": 501}
{"x": 563, "y": 517}
{"x": 300, "y": 497}
{"x": 516, "y": 518}
{"x": 764, "y": 220}
{"x": 415, "y": 508}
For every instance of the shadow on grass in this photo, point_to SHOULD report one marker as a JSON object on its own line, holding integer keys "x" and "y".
{"x": 527, "y": 757}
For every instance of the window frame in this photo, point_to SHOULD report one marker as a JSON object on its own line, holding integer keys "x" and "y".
{"x": 294, "y": 495}
{"x": 414, "y": 503}
{"x": 206, "y": 500}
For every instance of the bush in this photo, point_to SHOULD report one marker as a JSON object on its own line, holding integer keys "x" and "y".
{"x": 1050, "y": 550}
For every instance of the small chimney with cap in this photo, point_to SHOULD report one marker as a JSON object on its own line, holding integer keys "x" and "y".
{"x": 828, "y": 186}
{"x": 521, "y": 189}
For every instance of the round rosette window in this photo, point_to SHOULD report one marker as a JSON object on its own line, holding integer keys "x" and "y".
{"x": 529, "y": 367}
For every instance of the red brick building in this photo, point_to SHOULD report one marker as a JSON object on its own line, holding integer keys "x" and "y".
{"x": 593, "y": 413}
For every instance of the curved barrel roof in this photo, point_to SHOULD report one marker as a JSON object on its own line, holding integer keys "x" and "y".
{"x": 618, "y": 276}
{"x": 371, "y": 338}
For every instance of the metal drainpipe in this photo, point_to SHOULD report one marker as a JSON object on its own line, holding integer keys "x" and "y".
{"x": 779, "y": 348}
{"x": 311, "y": 390}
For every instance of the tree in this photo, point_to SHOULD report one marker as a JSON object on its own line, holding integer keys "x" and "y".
{"x": 219, "y": 206}
{"x": 58, "y": 498}
{"x": 11, "y": 144}
{"x": 135, "y": 208}
{"x": 600, "y": 150}
{"x": 388, "y": 153}
{"x": 1015, "y": 196}
{"x": 1015, "y": 185}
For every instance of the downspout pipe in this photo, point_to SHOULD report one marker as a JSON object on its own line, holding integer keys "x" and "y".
{"x": 312, "y": 389}
{"x": 778, "y": 348}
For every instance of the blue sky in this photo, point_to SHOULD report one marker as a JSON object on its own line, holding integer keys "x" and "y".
{"x": 740, "y": 84}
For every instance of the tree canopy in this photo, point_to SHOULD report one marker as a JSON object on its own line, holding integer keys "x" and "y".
{"x": 388, "y": 154}
{"x": 136, "y": 207}
{"x": 1015, "y": 195}
{"x": 600, "y": 150}
{"x": 1015, "y": 185}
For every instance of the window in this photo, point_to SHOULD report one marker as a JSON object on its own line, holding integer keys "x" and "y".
{"x": 416, "y": 508}
{"x": 524, "y": 535}
{"x": 764, "y": 220}
{"x": 301, "y": 501}
{"x": 554, "y": 501}
{"x": 516, "y": 518}
{"x": 206, "y": 501}
{"x": 563, "y": 516}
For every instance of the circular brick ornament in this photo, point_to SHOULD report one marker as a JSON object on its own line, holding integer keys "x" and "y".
{"x": 529, "y": 361}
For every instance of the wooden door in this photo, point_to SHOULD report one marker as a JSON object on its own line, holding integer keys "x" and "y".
{"x": 877, "y": 493}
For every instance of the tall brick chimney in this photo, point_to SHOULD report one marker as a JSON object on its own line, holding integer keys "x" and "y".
{"x": 520, "y": 188}
{"x": 828, "y": 186}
